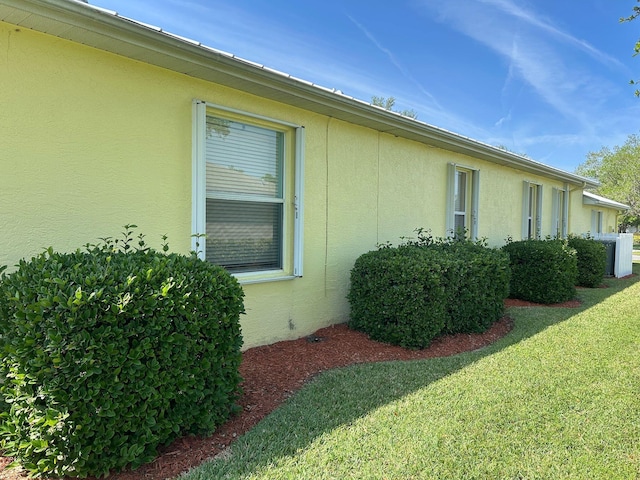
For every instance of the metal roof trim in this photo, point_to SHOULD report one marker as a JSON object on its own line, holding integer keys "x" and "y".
{"x": 589, "y": 198}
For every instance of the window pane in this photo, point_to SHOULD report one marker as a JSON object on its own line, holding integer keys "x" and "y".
{"x": 532, "y": 200}
{"x": 244, "y": 236}
{"x": 243, "y": 159}
{"x": 560, "y": 212}
{"x": 460, "y": 192}
{"x": 459, "y": 223}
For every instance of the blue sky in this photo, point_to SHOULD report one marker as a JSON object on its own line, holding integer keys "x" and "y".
{"x": 546, "y": 78}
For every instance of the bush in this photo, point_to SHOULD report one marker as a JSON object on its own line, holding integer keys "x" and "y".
{"x": 477, "y": 283}
{"x": 397, "y": 296}
{"x": 592, "y": 261}
{"x": 542, "y": 271}
{"x": 108, "y": 354}
{"x": 410, "y": 294}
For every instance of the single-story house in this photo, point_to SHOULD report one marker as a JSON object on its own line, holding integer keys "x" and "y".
{"x": 106, "y": 121}
{"x": 602, "y": 213}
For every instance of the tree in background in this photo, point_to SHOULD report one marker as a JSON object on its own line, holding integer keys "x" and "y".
{"x": 618, "y": 171}
{"x": 388, "y": 103}
{"x": 636, "y": 49}
{"x": 506, "y": 149}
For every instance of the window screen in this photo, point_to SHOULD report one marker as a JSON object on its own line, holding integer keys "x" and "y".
{"x": 245, "y": 198}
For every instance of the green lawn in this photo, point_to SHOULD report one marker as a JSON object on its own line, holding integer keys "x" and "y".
{"x": 557, "y": 398}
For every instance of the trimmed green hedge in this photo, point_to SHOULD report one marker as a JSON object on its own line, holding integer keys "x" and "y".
{"x": 592, "y": 261}
{"x": 410, "y": 294}
{"x": 477, "y": 283}
{"x": 110, "y": 354}
{"x": 397, "y": 296}
{"x": 542, "y": 271}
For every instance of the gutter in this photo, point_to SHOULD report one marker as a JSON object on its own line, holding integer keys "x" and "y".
{"x": 589, "y": 198}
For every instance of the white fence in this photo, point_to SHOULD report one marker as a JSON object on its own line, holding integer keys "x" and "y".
{"x": 623, "y": 263}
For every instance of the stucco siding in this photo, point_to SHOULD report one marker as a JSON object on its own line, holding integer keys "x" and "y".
{"x": 90, "y": 142}
{"x": 610, "y": 221}
{"x": 581, "y": 215}
{"x": 412, "y": 189}
{"x": 93, "y": 141}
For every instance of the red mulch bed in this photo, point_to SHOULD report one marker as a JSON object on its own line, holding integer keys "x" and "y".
{"x": 272, "y": 373}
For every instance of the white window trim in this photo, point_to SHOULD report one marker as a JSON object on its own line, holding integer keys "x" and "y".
{"x": 198, "y": 179}
{"x": 597, "y": 217}
{"x": 565, "y": 211}
{"x": 557, "y": 227}
{"x": 298, "y": 203}
{"x": 452, "y": 168}
{"x": 467, "y": 188}
{"x": 526, "y": 187}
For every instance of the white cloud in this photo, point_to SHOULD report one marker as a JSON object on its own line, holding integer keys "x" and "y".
{"x": 503, "y": 120}
{"x": 403, "y": 70}
{"x": 533, "y": 49}
{"x": 531, "y": 18}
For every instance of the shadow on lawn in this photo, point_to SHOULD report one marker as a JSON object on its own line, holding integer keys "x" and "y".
{"x": 335, "y": 398}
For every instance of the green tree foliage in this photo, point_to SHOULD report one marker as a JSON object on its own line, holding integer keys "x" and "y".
{"x": 503, "y": 147}
{"x": 618, "y": 170}
{"x": 636, "y": 48}
{"x": 388, "y": 103}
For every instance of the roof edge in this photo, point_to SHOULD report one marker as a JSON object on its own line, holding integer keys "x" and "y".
{"x": 589, "y": 198}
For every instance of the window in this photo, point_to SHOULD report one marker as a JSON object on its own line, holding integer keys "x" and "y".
{"x": 462, "y": 200}
{"x": 596, "y": 222}
{"x": 247, "y": 191}
{"x": 531, "y": 210}
{"x": 560, "y": 212}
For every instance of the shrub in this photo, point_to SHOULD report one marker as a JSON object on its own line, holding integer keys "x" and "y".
{"x": 542, "y": 271}
{"x": 476, "y": 279}
{"x": 410, "y": 294}
{"x": 397, "y": 296}
{"x": 477, "y": 284}
{"x": 109, "y": 353}
{"x": 592, "y": 261}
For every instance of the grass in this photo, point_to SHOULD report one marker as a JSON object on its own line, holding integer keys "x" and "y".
{"x": 557, "y": 398}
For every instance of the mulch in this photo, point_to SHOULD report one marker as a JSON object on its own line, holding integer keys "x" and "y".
{"x": 272, "y": 373}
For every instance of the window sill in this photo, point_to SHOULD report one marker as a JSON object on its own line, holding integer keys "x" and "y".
{"x": 262, "y": 277}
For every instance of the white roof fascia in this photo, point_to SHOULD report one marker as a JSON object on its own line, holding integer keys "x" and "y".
{"x": 589, "y": 198}
{"x": 106, "y": 30}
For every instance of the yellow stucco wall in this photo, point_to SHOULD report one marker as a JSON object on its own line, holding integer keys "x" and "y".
{"x": 609, "y": 220}
{"x": 89, "y": 143}
{"x": 92, "y": 141}
{"x": 581, "y": 216}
